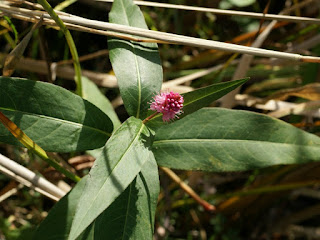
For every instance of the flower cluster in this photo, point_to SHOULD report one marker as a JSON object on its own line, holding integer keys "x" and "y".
{"x": 169, "y": 104}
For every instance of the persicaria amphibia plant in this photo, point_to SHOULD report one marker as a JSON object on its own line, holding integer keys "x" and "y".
{"x": 118, "y": 198}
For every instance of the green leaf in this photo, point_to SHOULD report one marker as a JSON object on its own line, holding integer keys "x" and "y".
{"x": 56, "y": 226}
{"x": 88, "y": 234}
{"x": 92, "y": 93}
{"x": 131, "y": 215}
{"x": 200, "y": 98}
{"x": 242, "y": 3}
{"x": 137, "y": 66}
{"x": 119, "y": 163}
{"x": 13, "y": 28}
{"x": 56, "y": 119}
{"x": 222, "y": 140}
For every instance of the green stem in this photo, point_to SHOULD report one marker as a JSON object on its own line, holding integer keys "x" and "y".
{"x": 70, "y": 42}
{"x": 32, "y": 146}
{"x": 56, "y": 165}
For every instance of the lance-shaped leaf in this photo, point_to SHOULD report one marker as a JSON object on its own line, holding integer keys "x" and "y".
{"x": 232, "y": 140}
{"x": 137, "y": 66}
{"x": 92, "y": 93}
{"x": 54, "y": 118}
{"x": 57, "y": 225}
{"x": 200, "y": 98}
{"x": 14, "y": 56}
{"x": 131, "y": 215}
{"x": 120, "y": 161}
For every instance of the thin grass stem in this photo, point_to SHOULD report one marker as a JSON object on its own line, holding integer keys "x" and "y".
{"x": 162, "y": 36}
{"x": 70, "y": 42}
{"x": 286, "y": 18}
{"x": 185, "y": 187}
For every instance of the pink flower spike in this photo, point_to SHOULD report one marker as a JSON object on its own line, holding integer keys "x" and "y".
{"x": 169, "y": 104}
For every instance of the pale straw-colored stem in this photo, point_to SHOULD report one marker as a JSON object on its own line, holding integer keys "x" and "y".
{"x": 193, "y": 76}
{"x": 185, "y": 40}
{"x": 10, "y": 192}
{"x": 280, "y": 108}
{"x": 162, "y": 36}
{"x": 228, "y": 100}
{"x": 286, "y": 18}
{"x": 29, "y": 178}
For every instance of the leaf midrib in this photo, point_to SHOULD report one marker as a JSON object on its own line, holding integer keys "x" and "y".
{"x": 204, "y": 96}
{"x": 159, "y": 142}
{"x": 136, "y": 63}
{"x": 130, "y": 145}
{"x": 57, "y": 120}
{"x": 127, "y": 212}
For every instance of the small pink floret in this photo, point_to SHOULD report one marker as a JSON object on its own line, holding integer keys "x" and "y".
{"x": 169, "y": 104}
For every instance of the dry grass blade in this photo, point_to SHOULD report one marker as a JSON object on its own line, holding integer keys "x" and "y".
{"x": 162, "y": 36}
{"x": 300, "y": 47}
{"x": 86, "y": 57}
{"x": 193, "y": 76}
{"x": 29, "y": 178}
{"x": 13, "y": 189}
{"x": 228, "y": 101}
{"x": 310, "y": 91}
{"x": 231, "y": 12}
{"x": 308, "y": 109}
{"x": 282, "y": 108}
{"x": 15, "y": 55}
{"x": 66, "y": 72}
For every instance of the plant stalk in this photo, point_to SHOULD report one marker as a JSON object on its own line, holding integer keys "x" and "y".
{"x": 207, "y": 206}
{"x": 32, "y": 146}
{"x": 150, "y": 117}
{"x": 72, "y": 21}
{"x": 70, "y": 42}
{"x": 255, "y": 15}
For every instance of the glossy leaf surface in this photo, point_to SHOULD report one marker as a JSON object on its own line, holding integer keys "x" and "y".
{"x": 215, "y": 139}
{"x": 200, "y": 98}
{"x": 119, "y": 163}
{"x": 137, "y": 66}
{"x": 54, "y": 118}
